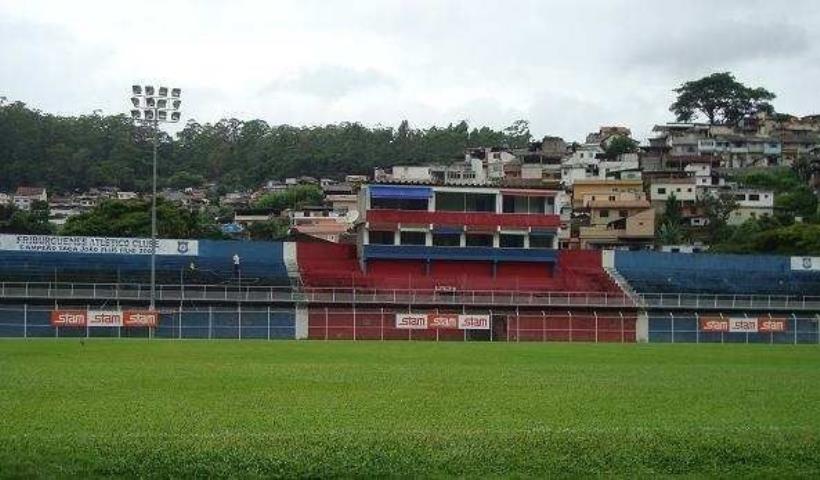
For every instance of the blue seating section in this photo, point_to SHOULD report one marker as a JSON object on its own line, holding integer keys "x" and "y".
{"x": 658, "y": 272}
{"x": 682, "y": 327}
{"x": 261, "y": 263}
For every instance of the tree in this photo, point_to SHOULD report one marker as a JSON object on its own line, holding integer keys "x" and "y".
{"x": 720, "y": 98}
{"x": 619, "y": 146}
{"x": 274, "y": 229}
{"x": 717, "y": 208}
{"x": 670, "y": 233}
{"x": 132, "y": 218}
{"x": 672, "y": 211}
{"x": 31, "y": 222}
{"x": 293, "y": 197}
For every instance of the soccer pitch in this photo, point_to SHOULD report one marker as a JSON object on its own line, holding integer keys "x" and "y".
{"x": 359, "y": 409}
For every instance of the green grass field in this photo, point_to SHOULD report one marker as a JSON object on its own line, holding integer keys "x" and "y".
{"x": 322, "y": 409}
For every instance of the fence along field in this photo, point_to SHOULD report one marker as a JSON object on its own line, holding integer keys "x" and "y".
{"x": 198, "y": 408}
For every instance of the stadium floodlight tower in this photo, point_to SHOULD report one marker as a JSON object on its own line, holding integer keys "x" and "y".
{"x": 152, "y": 106}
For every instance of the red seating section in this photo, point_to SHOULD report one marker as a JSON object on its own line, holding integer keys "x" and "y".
{"x": 323, "y": 264}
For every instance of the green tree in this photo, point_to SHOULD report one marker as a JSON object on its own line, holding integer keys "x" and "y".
{"x": 720, "y": 98}
{"x": 274, "y": 229}
{"x": 29, "y": 222}
{"x": 132, "y": 218}
{"x": 619, "y": 146}
{"x": 293, "y": 197}
{"x": 717, "y": 208}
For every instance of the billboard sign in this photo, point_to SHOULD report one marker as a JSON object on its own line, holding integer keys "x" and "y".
{"x": 104, "y": 318}
{"x": 474, "y": 322}
{"x": 140, "y": 318}
{"x": 773, "y": 325}
{"x": 442, "y": 320}
{"x": 806, "y": 264}
{"x": 68, "y": 318}
{"x": 714, "y": 324}
{"x": 96, "y": 245}
{"x": 412, "y": 321}
{"x": 742, "y": 325}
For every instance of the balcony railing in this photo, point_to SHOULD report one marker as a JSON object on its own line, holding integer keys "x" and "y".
{"x": 484, "y": 219}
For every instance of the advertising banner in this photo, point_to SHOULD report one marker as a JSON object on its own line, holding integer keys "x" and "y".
{"x": 415, "y": 321}
{"x": 96, "y": 245}
{"x": 140, "y": 318}
{"x": 104, "y": 318}
{"x": 807, "y": 264}
{"x": 742, "y": 325}
{"x": 714, "y": 324}
{"x": 68, "y": 318}
{"x": 442, "y": 320}
{"x": 766, "y": 324}
{"x": 474, "y": 322}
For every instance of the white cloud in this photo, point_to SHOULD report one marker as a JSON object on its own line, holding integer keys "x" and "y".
{"x": 566, "y": 66}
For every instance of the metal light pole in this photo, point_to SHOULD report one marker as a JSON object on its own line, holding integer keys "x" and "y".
{"x": 151, "y": 107}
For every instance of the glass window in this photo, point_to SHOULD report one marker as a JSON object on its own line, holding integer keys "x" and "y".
{"x": 446, "y": 239}
{"x": 623, "y": 213}
{"x": 449, "y": 202}
{"x": 540, "y": 241}
{"x": 511, "y": 240}
{"x": 397, "y": 204}
{"x": 661, "y": 191}
{"x": 754, "y": 197}
{"x": 480, "y": 202}
{"x": 479, "y": 240}
{"x": 382, "y": 238}
{"x": 604, "y": 214}
{"x": 413, "y": 238}
{"x": 517, "y": 204}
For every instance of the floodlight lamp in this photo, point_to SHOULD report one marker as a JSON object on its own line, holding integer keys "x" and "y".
{"x": 136, "y": 89}
{"x": 149, "y": 114}
{"x": 163, "y": 91}
{"x": 135, "y": 101}
{"x": 150, "y": 102}
{"x": 136, "y": 114}
{"x": 162, "y": 103}
{"x": 162, "y": 115}
{"x": 149, "y": 90}
{"x": 176, "y": 92}
{"x": 175, "y": 116}
{"x": 176, "y": 104}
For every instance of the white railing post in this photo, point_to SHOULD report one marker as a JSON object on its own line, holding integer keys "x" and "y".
{"x": 25, "y": 320}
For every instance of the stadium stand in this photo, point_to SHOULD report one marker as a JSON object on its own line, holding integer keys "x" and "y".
{"x": 323, "y": 264}
{"x": 658, "y": 272}
{"x": 261, "y": 263}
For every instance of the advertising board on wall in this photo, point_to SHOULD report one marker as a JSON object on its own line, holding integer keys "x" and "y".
{"x": 96, "y": 245}
{"x": 743, "y": 324}
{"x": 420, "y": 321}
{"x": 104, "y": 318}
{"x": 807, "y": 264}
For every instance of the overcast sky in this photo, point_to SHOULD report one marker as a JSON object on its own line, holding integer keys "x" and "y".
{"x": 568, "y": 67}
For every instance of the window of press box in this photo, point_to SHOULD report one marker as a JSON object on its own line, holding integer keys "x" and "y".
{"x": 446, "y": 239}
{"x": 413, "y": 238}
{"x": 540, "y": 241}
{"x": 517, "y": 204}
{"x": 511, "y": 240}
{"x": 479, "y": 240}
{"x": 398, "y": 204}
{"x": 465, "y": 202}
{"x": 381, "y": 238}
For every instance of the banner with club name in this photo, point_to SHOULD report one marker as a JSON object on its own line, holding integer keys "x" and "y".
{"x": 806, "y": 264}
{"x": 96, "y": 245}
{"x": 421, "y": 321}
{"x": 104, "y": 318}
{"x": 743, "y": 324}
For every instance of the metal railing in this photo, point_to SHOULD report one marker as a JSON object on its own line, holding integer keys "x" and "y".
{"x": 700, "y": 301}
{"x": 349, "y": 295}
{"x": 256, "y": 294}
